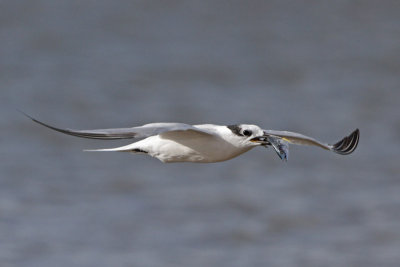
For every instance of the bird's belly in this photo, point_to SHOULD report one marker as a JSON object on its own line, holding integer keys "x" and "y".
{"x": 202, "y": 150}
{"x": 174, "y": 152}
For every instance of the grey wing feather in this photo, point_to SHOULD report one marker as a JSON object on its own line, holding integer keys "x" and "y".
{"x": 344, "y": 147}
{"x": 124, "y": 133}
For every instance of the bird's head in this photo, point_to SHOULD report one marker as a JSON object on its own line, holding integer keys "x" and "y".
{"x": 248, "y": 135}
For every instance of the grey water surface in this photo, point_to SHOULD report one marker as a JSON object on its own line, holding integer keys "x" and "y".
{"x": 322, "y": 68}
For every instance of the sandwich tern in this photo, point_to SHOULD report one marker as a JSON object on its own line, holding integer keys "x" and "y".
{"x": 206, "y": 143}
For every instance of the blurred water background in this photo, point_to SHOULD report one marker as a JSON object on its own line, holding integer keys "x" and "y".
{"x": 322, "y": 68}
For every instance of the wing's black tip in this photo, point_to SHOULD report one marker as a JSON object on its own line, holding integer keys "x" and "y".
{"x": 348, "y": 144}
{"x": 90, "y": 134}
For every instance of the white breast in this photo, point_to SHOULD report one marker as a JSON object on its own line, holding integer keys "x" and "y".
{"x": 189, "y": 146}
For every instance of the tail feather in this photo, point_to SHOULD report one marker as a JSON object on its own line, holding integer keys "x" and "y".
{"x": 117, "y": 149}
{"x": 126, "y": 148}
{"x": 103, "y": 150}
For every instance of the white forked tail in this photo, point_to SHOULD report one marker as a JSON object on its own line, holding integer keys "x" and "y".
{"x": 127, "y": 148}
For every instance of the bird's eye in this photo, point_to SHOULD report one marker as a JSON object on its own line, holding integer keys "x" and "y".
{"x": 247, "y": 133}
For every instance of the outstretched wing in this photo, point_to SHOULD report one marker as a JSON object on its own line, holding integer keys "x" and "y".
{"x": 126, "y": 133}
{"x": 344, "y": 147}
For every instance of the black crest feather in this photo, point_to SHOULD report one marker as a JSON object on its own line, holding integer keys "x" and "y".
{"x": 235, "y": 128}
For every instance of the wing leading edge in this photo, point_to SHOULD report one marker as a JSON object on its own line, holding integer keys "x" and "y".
{"x": 123, "y": 133}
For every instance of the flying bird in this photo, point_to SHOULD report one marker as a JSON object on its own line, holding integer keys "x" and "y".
{"x": 206, "y": 143}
